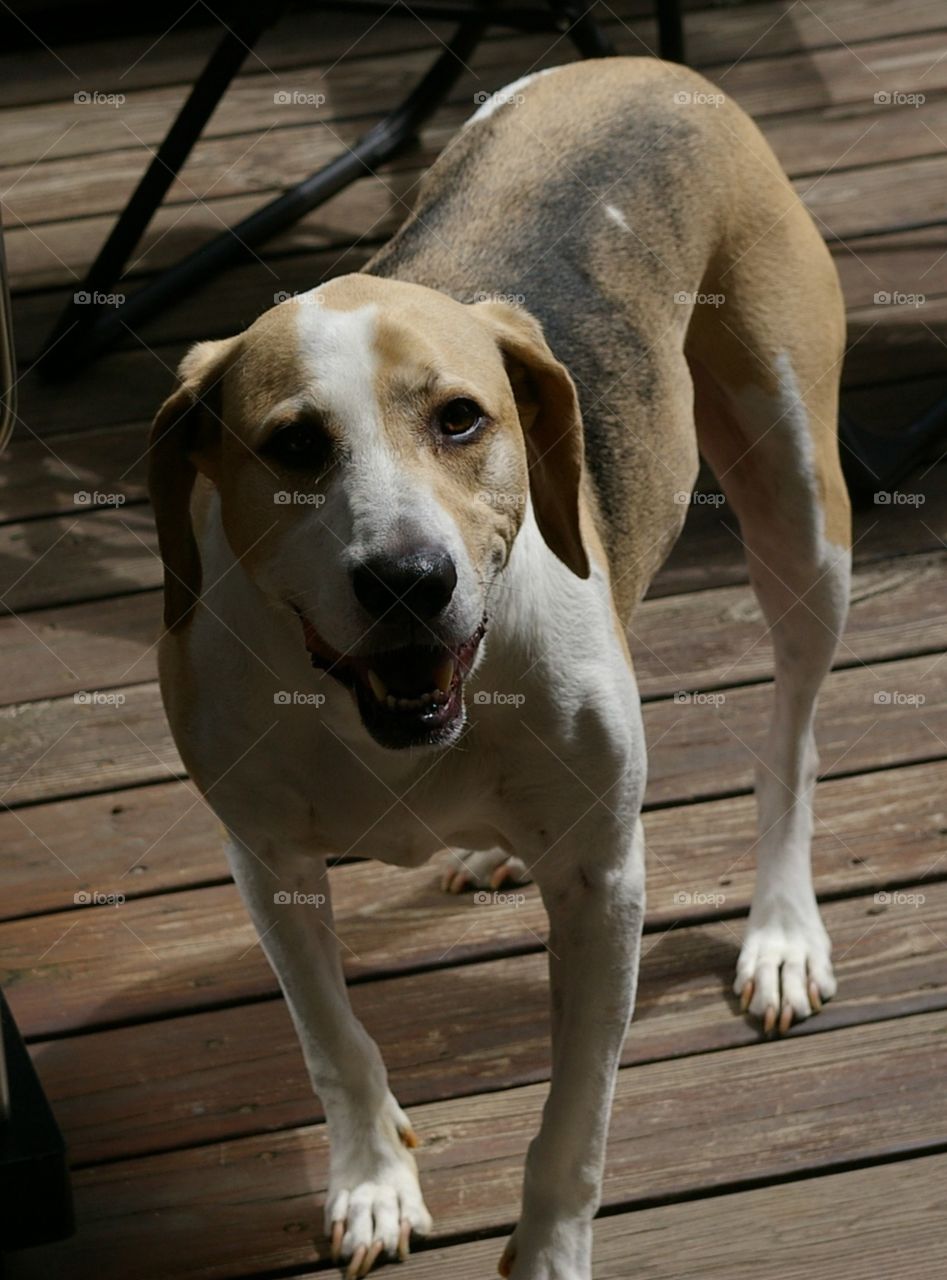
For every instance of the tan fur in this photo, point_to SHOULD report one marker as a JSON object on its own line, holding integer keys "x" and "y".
{"x": 709, "y": 211}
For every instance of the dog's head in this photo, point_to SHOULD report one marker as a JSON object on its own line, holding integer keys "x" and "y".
{"x": 373, "y": 443}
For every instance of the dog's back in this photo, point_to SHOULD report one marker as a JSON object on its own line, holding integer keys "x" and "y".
{"x": 638, "y": 214}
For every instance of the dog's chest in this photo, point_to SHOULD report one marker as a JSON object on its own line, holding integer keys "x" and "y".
{"x": 304, "y": 784}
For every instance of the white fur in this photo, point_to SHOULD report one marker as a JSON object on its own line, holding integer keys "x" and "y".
{"x": 616, "y": 216}
{"x": 295, "y": 784}
{"x": 803, "y": 589}
{"x": 506, "y": 96}
{"x": 559, "y": 783}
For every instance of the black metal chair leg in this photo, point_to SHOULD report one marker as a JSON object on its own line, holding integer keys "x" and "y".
{"x": 87, "y": 328}
{"x": 380, "y": 143}
{"x": 83, "y": 313}
{"x": 584, "y": 32}
{"x": 876, "y": 464}
{"x": 670, "y": 30}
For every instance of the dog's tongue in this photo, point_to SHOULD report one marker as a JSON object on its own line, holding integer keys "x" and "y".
{"x": 407, "y": 672}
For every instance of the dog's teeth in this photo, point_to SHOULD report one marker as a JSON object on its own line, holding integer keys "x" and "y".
{"x": 378, "y": 686}
{"x": 444, "y": 675}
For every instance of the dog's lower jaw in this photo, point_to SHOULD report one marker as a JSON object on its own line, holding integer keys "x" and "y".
{"x": 548, "y": 1249}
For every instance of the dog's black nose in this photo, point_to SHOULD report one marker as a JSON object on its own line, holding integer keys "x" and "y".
{"x": 418, "y": 585}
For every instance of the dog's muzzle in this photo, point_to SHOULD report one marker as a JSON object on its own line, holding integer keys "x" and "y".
{"x": 407, "y": 697}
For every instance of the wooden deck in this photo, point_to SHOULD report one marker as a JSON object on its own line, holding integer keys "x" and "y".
{"x": 156, "y": 1024}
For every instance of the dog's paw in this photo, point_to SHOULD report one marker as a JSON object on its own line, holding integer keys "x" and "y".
{"x": 784, "y": 972}
{"x": 374, "y": 1202}
{"x": 559, "y": 1251}
{"x": 490, "y": 870}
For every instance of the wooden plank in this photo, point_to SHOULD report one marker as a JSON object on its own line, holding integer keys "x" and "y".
{"x": 241, "y": 293}
{"x": 856, "y": 135}
{"x": 701, "y": 743}
{"x": 694, "y": 641}
{"x": 132, "y": 63}
{"x": 140, "y": 841}
{"x": 74, "y": 556}
{"x": 907, "y": 262}
{"x": 681, "y": 1127}
{"x": 129, "y": 383}
{"x": 881, "y": 1221}
{"x": 835, "y": 75}
{"x": 869, "y": 717}
{"x": 127, "y": 63}
{"x": 709, "y": 552}
{"x": 93, "y": 965}
{"x": 149, "y": 839}
{"x": 905, "y": 329}
{"x": 851, "y": 204}
{"x": 64, "y": 249}
{"x": 58, "y": 651}
{"x": 236, "y": 163}
{"x": 61, "y": 253}
{"x": 111, "y": 738}
{"x": 65, "y": 473}
{"x": 236, "y": 1071}
{"x": 368, "y": 81}
{"x": 706, "y": 638}
{"x": 66, "y": 560}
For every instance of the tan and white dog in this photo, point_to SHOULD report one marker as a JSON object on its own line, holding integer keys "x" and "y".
{"x": 403, "y": 490}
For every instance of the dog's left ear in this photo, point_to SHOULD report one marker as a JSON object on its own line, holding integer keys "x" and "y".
{"x": 549, "y": 414}
{"x": 185, "y": 433}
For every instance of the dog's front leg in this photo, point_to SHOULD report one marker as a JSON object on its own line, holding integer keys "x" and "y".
{"x": 595, "y": 899}
{"x": 374, "y": 1199}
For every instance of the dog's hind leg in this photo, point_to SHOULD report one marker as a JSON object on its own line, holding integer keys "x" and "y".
{"x": 374, "y": 1199}
{"x": 767, "y": 395}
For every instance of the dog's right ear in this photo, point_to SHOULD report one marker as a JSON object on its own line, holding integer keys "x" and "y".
{"x": 186, "y": 432}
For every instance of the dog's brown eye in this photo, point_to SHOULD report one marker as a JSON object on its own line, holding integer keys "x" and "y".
{"x": 459, "y": 417}
{"x": 302, "y": 445}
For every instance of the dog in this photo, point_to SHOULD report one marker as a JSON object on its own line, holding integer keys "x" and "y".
{"x": 457, "y": 471}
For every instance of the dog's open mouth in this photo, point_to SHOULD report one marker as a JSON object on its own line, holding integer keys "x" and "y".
{"x": 407, "y": 697}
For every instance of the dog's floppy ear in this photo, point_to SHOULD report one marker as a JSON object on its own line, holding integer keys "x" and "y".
{"x": 186, "y": 424}
{"x": 549, "y": 414}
